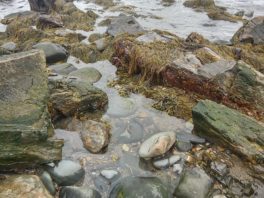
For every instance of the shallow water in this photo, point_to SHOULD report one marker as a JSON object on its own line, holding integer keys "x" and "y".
{"x": 132, "y": 120}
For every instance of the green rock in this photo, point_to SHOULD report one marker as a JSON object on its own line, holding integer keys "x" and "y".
{"x": 228, "y": 127}
{"x": 24, "y": 118}
{"x": 136, "y": 187}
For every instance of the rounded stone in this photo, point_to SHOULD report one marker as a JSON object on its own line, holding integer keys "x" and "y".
{"x": 62, "y": 69}
{"x": 78, "y": 192}
{"x": 66, "y": 173}
{"x": 48, "y": 183}
{"x": 161, "y": 164}
{"x": 90, "y": 75}
{"x": 136, "y": 187}
{"x": 109, "y": 174}
{"x": 157, "y": 144}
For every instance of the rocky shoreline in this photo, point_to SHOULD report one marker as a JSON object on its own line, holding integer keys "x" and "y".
{"x": 129, "y": 112}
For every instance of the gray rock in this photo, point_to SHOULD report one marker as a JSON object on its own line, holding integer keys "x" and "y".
{"x": 66, "y": 173}
{"x": 53, "y": 52}
{"x": 48, "y": 183}
{"x": 212, "y": 69}
{"x": 228, "y": 127}
{"x": 183, "y": 146}
{"x": 152, "y": 37}
{"x": 62, "y": 69}
{"x": 136, "y": 187}
{"x": 251, "y": 32}
{"x": 90, "y": 75}
{"x": 220, "y": 168}
{"x": 177, "y": 168}
{"x": 161, "y": 164}
{"x": 188, "y": 137}
{"x": 49, "y": 21}
{"x": 78, "y": 192}
{"x": 109, "y": 174}
{"x": 174, "y": 159}
{"x": 124, "y": 24}
{"x": 24, "y": 90}
{"x": 194, "y": 183}
{"x": 23, "y": 186}
{"x": 101, "y": 44}
{"x": 121, "y": 107}
{"x": 10, "y": 46}
{"x": 249, "y": 14}
{"x": 240, "y": 13}
{"x": 128, "y": 132}
{"x": 157, "y": 144}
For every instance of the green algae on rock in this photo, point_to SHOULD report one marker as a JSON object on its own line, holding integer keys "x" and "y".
{"x": 24, "y": 119}
{"x": 228, "y": 127}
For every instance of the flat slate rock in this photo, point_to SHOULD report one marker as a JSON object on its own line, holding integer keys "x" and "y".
{"x": 24, "y": 90}
{"x": 63, "y": 68}
{"x": 228, "y": 127}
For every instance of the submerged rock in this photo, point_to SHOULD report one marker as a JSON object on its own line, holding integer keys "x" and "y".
{"x": 95, "y": 135}
{"x": 226, "y": 126}
{"x": 78, "y": 192}
{"x": 136, "y": 187}
{"x": 62, "y": 69}
{"x": 109, "y": 174}
{"x": 23, "y": 186}
{"x": 72, "y": 97}
{"x": 194, "y": 183}
{"x": 157, "y": 144}
{"x": 24, "y": 90}
{"x": 124, "y": 24}
{"x": 53, "y": 52}
{"x": 48, "y": 183}
{"x": 251, "y": 32}
{"x": 66, "y": 173}
{"x": 90, "y": 75}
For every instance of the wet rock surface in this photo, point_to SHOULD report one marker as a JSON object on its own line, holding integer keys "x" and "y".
{"x": 139, "y": 187}
{"x": 90, "y": 75}
{"x": 24, "y": 186}
{"x": 251, "y": 32}
{"x": 72, "y": 97}
{"x": 66, "y": 172}
{"x": 80, "y": 192}
{"x": 62, "y": 69}
{"x": 220, "y": 124}
{"x": 29, "y": 129}
{"x": 53, "y": 52}
{"x": 194, "y": 183}
{"x": 124, "y": 24}
{"x": 157, "y": 144}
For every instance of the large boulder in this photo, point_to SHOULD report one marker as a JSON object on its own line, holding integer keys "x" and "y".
{"x": 124, "y": 24}
{"x": 23, "y": 186}
{"x": 25, "y": 128}
{"x": 135, "y": 187}
{"x": 251, "y": 32}
{"x": 228, "y": 127}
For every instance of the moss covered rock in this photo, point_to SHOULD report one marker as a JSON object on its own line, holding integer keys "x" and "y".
{"x": 24, "y": 119}
{"x": 228, "y": 127}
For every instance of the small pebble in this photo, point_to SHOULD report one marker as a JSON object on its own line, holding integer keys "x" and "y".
{"x": 109, "y": 174}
